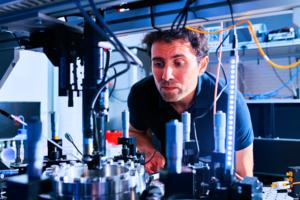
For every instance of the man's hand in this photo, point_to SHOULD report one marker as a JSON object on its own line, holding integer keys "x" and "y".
{"x": 154, "y": 161}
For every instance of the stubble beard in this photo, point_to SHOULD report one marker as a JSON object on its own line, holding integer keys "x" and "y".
{"x": 170, "y": 96}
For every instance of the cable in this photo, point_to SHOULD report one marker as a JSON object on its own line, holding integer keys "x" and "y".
{"x": 296, "y": 183}
{"x": 253, "y": 34}
{"x": 13, "y": 117}
{"x": 152, "y": 19}
{"x": 196, "y": 16}
{"x": 293, "y": 87}
{"x": 118, "y": 45}
{"x": 196, "y": 136}
{"x": 98, "y": 29}
{"x": 124, "y": 51}
{"x": 282, "y": 81}
{"x": 146, "y": 162}
{"x": 122, "y": 47}
{"x": 182, "y": 16}
{"x": 114, "y": 85}
{"x": 118, "y": 99}
{"x": 108, "y": 80}
{"x": 121, "y": 89}
{"x": 231, "y": 11}
{"x": 273, "y": 92}
{"x": 101, "y": 31}
{"x": 225, "y": 80}
{"x": 205, "y": 113}
{"x": 218, "y": 72}
{"x": 60, "y": 147}
{"x": 220, "y": 93}
{"x": 70, "y": 139}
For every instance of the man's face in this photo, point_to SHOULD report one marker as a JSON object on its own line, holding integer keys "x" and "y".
{"x": 176, "y": 70}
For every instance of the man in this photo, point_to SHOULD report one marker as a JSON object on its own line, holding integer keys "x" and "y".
{"x": 180, "y": 83}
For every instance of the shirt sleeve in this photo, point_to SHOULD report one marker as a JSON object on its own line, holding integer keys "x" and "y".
{"x": 136, "y": 109}
{"x": 244, "y": 132}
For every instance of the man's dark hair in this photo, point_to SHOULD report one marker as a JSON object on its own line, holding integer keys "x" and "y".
{"x": 197, "y": 41}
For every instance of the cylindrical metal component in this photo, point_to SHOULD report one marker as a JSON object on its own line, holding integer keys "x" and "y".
{"x": 54, "y": 125}
{"x": 220, "y": 132}
{"x": 186, "y": 123}
{"x": 174, "y": 145}
{"x": 125, "y": 123}
{"x": 113, "y": 181}
{"x": 19, "y": 151}
{"x": 88, "y": 146}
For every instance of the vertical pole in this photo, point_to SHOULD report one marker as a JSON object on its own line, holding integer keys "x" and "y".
{"x": 89, "y": 90}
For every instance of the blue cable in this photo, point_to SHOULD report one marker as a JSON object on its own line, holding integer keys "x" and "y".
{"x": 274, "y": 92}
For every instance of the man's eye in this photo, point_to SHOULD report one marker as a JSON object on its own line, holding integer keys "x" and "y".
{"x": 179, "y": 63}
{"x": 158, "y": 64}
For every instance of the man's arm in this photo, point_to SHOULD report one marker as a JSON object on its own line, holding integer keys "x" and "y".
{"x": 244, "y": 161}
{"x": 154, "y": 161}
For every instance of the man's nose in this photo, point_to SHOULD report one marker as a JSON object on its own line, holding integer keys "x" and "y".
{"x": 167, "y": 73}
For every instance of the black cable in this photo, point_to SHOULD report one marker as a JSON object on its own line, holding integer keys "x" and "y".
{"x": 93, "y": 24}
{"x": 231, "y": 11}
{"x": 182, "y": 16}
{"x": 196, "y": 16}
{"x": 114, "y": 85}
{"x": 116, "y": 43}
{"x": 119, "y": 44}
{"x": 70, "y": 139}
{"x": 146, "y": 162}
{"x": 217, "y": 50}
{"x": 218, "y": 96}
{"x": 109, "y": 36}
{"x": 101, "y": 31}
{"x": 153, "y": 19}
{"x": 212, "y": 105}
{"x": 107, "y": 59}
{"x": 225, "y": 79}
{"x": 207, "y": 111}
{"x": 232, "y": 21}
{"x": 186, "y": 12}
{"x": 102, "y": 84}
{"x": 223, "y": 71}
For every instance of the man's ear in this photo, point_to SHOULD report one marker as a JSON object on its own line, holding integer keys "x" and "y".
{"x": 203, "y": 65}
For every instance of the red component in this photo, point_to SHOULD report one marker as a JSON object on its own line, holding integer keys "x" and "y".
{"x": 112, "y": 136}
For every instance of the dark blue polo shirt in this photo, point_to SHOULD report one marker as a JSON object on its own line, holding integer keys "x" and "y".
{"x": 149, "y": 111}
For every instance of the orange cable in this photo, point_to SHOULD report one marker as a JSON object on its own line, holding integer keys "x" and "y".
{"x": 253, "y": 34}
